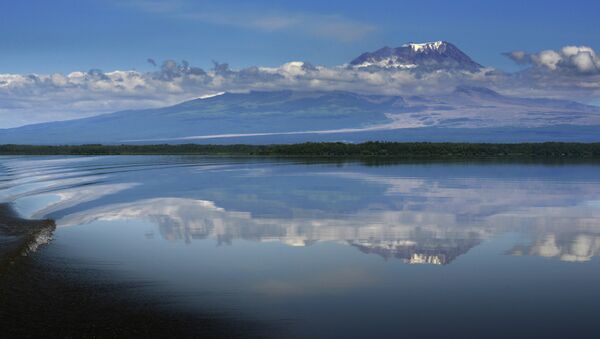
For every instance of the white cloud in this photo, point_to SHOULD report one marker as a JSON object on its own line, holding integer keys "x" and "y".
{"x": 549, "y": 59}
{"x": 37, "y": 97}
{"x": 569, "y": 73}
{"x": 569, "y": 59}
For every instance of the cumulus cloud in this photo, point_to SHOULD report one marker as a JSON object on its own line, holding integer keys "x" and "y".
{"x": 520, "y": 57}
{"x": 569, "y": 73}
{"x": 569, "y": 59}
{"x": 38, "y": 97}
{"x": 572, "y": 72}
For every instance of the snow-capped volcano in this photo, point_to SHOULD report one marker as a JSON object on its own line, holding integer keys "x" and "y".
{"x": 423, "y": 56}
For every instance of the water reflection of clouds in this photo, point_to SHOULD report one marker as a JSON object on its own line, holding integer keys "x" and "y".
{"x": 417, "y": 219}
{"x": 400, "y": 233}
{"x": 434, "y": 221}
{"x": 563, "y": 217}
{"x": 71, "y": 197}
{"x": 414, "y": 237}
{"x": 45, "y": 184}
{"x": 565, "y": 233}
{"x": 568, "y": 246}
{"x": 63, "y": 199}
{"x": 482, "y": 197}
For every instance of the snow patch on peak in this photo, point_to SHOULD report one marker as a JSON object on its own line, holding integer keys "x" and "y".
{"x": 427, "y": 56}
{"x": 420, "y": 47}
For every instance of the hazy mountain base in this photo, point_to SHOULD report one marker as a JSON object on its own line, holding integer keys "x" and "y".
{"x": 565, "y": 133}
{"x": 256, "y": 112}
{"x": 467, "y": 115}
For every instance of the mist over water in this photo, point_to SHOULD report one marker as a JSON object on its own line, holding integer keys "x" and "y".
{"x": 331, "y": 249}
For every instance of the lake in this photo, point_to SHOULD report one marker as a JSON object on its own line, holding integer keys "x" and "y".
{"x": 330, "y": 249}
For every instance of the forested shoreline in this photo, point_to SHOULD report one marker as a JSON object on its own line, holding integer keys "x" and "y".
{"x": 389, "y": 150}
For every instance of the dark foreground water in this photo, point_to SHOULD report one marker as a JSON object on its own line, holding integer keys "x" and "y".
{"x": 286, "y": 249}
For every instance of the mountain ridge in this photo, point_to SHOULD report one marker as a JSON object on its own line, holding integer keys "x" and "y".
{"x": 288, "y": 115}
{"x": 417, "y": 56}
{"x": 324, "y": 115}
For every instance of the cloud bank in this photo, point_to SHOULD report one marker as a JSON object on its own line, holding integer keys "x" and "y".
{"x": 571, "y": 73}
{"x": 568, "y": 60}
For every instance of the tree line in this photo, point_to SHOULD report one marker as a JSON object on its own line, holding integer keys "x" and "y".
{"x": 392, "y": 150}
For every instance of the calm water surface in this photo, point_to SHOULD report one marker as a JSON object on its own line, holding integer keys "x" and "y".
{"x": 332, "y": 250}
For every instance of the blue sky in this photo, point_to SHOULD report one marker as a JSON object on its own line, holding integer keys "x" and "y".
{"x": 40, "y": 36}
{"x": 65, "y": 59}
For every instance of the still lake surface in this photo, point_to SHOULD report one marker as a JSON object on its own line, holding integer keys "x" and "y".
{"x": 332, "y": 249}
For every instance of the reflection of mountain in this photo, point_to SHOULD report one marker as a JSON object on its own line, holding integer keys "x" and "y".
{"x": 411, "y": 236}
{"x": 418, "y": 213}
{"x": 438, "y": 251}
{"x": 570, "y": 246}
{"x": 432, "y": 236}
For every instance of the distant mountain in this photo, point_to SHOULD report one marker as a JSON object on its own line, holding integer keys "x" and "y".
{"x": 480, "y": 107}
{"x": 229, "y": 113}
{"x": 422, "y": 56}
{"x": 479, "y": 95}
{"x": 419, "y": 250}
{"x": 467, "y": 114}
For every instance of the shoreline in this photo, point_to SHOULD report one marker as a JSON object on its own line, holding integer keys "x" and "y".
{"x": 51, "y": 298}
{"x": 336, "y": 150}
{"x": 20, "y": 237}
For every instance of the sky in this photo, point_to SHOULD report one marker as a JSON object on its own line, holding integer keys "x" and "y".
{"x": 53, "y": 39}
{"x": 64, "y": 35}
